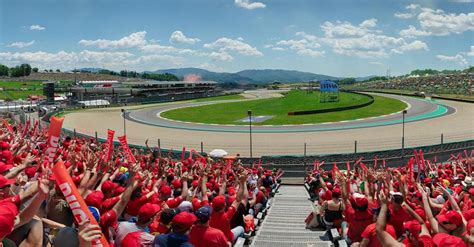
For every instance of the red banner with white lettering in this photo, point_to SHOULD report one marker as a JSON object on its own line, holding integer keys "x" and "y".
{"x": 25, "y": 130}
{"x": 109, "y": 145}
{"x": 75, "y": 201}
{"x": 53, "y": 137}
{"x": 126, "y": 149}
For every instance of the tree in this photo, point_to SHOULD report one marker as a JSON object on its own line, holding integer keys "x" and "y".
{"x": 25, "y": 69}
{"x": 160, "y": 77}
{"x": 51, "y": 71}
{"x": 347, "y": 81}
{"x": 35, "y": 70}
{"x": 4, "y": 70}
{"x": 58, "y": 70}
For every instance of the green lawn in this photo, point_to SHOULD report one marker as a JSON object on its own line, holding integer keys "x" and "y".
{"x": 14, "y": 95}
{"x": 18, "y": 84}
{"x": 225, "y": 97}
{"x": 229, "y": 113}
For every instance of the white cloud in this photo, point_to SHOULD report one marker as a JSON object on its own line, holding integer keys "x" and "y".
{"x": 246, "y": 4}
{"x": 305, "y": 47}
{"x": 179, "y": 37}
{"x": 225, "y": 44}
{"x": 364, "y": 41}
{"x": 459, "y": 59}
{"x": 222, "y": 56}
{"x": 440, "y": 23}
{"x": 111, "y": 60}
{"x": 37, "y": 27}
{"x": 471, "y": 52}
{"x": 21, "y": 44}
{"x": 404, "y": 15}
{"x": 377, "y": 63}
{"x": 412, "y": 32}
{"x": 412, "y": 6}
{"x": 161, "y": 49}
{"x": 133, "y": 40}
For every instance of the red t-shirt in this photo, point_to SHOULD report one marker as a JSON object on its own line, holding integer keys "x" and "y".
{"x": 107, "y": 221}
{"x": 423, "y": 241}
{"x": 203, "y": 236}
{"x": 134, "y": 206}
{"x": 259, "y": 197}
{"x": 221, "y": 221}
{"x": 358, "y": 221}
{"x": 370, "y": 234}
{"x": 397, "y": 219}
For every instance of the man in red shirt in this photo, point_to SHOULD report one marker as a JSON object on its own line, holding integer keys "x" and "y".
{"x": 220, "y": 218}
{"x": 399, "y": 211}
{"x": 369, "y": 236}
{"x": 358, "y": 215}
{"x": 202, "y": 235}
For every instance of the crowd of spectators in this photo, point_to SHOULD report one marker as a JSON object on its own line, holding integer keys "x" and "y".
{"x": 461, "y": 83}
{"x": 403, "y": 206}
{"x": 157, "y": 201}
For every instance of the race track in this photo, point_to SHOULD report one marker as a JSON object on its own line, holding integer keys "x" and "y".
{"x": 425, "y": 121}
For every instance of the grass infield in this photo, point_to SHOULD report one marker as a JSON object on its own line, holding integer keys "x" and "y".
{"x": 229, "y": 113}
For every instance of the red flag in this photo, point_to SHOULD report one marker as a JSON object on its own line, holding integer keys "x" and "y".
{"x": 25, "y": 130}
{"x": 422, "y": 163}
{"x": 364, "y": 167}
{"x": 335, "y": 170}
{"x": 53, "y": 140}
{"x": 75, "y": 201}
{"x": 109, "y": 145}
{"x": 357, "y": 162}
{"x": 35, "y": 128}
{"x": 375, "y": 163}
{"x": 410, "y": 168}
{"x": 7, "y": 124}
{"x": 191, "y": 154}
{"x": 182, "y": 154}
{"x": 126, "y": 149}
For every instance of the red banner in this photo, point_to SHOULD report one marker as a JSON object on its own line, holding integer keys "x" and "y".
{"x": 53, "y": 137}
{"x": 109, "y": 145}
{"x": 126, "y": 149}
{"x": 76, "y": 202}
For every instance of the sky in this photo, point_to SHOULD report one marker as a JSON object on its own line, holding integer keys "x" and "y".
{"x": 338, "y": 38}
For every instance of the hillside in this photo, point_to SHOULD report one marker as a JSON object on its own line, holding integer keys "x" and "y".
{"x": 249, "y": 76}
{"x": 62, "y": 76}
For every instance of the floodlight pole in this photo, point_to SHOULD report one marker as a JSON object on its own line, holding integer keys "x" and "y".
{"x": 249, "y": 113}
{"x": 124, "y": 123}
{"x": 403, "y": 132}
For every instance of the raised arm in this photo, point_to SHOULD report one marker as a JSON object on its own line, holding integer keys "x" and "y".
{"x": 429, "y": 214}
{"x": 384, "y": 237}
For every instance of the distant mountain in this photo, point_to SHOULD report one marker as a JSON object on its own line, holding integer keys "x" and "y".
{"x": 363, "y": 78}
{"x": 250, "y": 76}
{"x": 92, "y": 70}
{"x": 280, "y": 75}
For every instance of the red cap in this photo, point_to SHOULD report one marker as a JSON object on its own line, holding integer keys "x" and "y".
{"x": 470, "y": 225}
{"x": 452, "y": 217}
{"x": 421, "y": 212}
{"x": 5, "y": 181}
{"x": 195, "y": 183}
{"x": 4, "y": 167}
{"x": 148, "y": 211}
{"x": 7, "y": 218}
{"x": 165, "y": 190}
{"x": 30, "y": 171}
{"x": 413, "y": 227}
{"x": 329, "y": 185}
{"x": 471, "y": 191}
{"x": 183, "y": 221}
{"x": 119, "y": 190}
{"x": 218, "y": 202}
{"x": 231, "y": 191}
{"x": 446, "y": 240}
{"x": 360, "y": 200}
{"x": 108, "y": 186}
{"x": 4, "y": 145}
{"x": 95, "y": 199}
{"x": 196, "y": 203}
{"x": 176, "y": 183}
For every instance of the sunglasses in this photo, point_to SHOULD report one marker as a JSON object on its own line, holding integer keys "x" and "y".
{"x": 446, "y": 223}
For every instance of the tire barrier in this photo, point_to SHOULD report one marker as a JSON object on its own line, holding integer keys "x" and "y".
{"x": 352, "y": 107}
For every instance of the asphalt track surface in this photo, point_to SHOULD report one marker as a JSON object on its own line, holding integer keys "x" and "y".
{"x": 417, "y": 110}
{"x": 425, "y": 122}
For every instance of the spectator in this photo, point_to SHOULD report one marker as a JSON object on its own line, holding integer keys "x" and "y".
{"x": 202, "y": 235}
